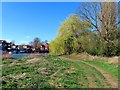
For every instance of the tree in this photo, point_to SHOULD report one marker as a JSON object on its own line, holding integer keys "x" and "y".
{"x": 36, "y": 43}
{"x": 70, "y": 35}
{"x": 44, "y": 42}
{"x": 109, "y": 27}
{"x": 94, "y": 30}
{"x": 97, "y": 13}
{"x": 103, "y": 18}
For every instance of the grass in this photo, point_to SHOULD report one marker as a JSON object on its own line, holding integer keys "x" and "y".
{"x": 50, "y": 72}
{"x": 112, "y": 69}
{"x": 8, "y": 61}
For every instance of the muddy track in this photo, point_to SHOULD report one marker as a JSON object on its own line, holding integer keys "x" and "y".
{"x": 109, "y": 79}
{"x": 91, "y": 84}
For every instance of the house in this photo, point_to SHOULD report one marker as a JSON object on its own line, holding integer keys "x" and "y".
{"x": 5, "y": 46}
{"x": 25, "y": 48}
{"x": 44, "y": 48}
{"x": 9, "y": 47}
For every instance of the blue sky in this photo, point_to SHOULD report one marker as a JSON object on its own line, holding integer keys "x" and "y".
{"x": 23, "y": 21}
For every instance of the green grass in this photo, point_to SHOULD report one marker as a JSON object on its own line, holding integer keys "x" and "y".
{"x": 58, "y": 73}
{"x": 110, "y": 68}
{"x": 33, "y": 78}
{"x": 8, "y": 61}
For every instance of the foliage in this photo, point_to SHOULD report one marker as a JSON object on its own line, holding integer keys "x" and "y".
{"x": 93, "y": 30}
{"x": 110, "y": 68}
{"x": 103, "y": 18}
{"x": 71, "y": 36}
{"x": 36, "y": 43}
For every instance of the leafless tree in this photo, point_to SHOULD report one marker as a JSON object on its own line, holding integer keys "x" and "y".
{"x": 100, "y": 15}
{"x": 104, "y": 17}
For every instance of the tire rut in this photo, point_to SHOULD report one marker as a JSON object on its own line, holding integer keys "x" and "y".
{"x": 90, "y": 81}
{"x": 109, "y": 79}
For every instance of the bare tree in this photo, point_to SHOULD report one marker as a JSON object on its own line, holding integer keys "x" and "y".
{"x": 98, "y": 13}
{"x": 35, "y": 44}
{"x": 103, "y": 16}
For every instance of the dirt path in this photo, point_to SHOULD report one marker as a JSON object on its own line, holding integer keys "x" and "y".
{"x": 109, "y": 79}
{"x": 91, "y": 84}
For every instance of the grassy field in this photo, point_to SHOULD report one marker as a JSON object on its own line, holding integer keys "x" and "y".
{"x": 54, "y": 72}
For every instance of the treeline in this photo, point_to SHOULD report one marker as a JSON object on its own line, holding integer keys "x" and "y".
{"x": 37, "y": 43}
{"x": 93, "y": 29}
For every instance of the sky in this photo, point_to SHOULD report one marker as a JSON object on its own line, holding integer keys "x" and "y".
{"x": 23, "y": 21}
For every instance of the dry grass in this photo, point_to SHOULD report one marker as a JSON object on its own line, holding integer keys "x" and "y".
{"x": 113, "y": 60}
{"x": 34, "y": 60}
{"x": 14, "y": 64}
{"x": 19, "y": 76}
{"x": 110, "y": 60}
{"x": 7, "y": 56}
{"x": 34, "y": 55}
{"x": 42, "y": 70}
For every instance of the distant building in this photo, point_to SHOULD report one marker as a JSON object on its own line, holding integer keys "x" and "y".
{"x": 44, "y": 48}
{"x": 5, "y": 46}
{"x": 12, "y": 48}
{"x": 25, "y": 48}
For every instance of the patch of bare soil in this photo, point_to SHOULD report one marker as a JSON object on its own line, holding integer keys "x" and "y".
{"x": 64, "y": 58}
{"x": 109, "y": 79}
{"x": 102, "y": 81}
{"x": 14, "y": 64}
{"x": 6, "y": 56}
{"x": 42, "y": 70}
{"x": 34, "y": 60}
{"x": 113, "y": 60}
{"x": 91, "y": 82}
{"x": 110, "y": 60}
{"x": 19, "y": 76}
{"x": 82, "y": 56}
{"x": 34, "y": 55}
